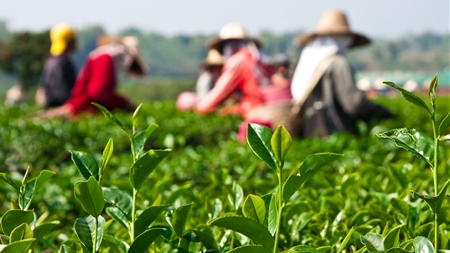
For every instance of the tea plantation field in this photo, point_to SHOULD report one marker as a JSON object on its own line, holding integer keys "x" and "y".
{"x": 200, "y": 190}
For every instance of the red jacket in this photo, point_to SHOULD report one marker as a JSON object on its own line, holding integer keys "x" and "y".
{"x": 97, "y": 83}
{"x": 240, "y": 73}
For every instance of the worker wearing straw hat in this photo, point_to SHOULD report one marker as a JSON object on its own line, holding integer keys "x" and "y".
{"x": 243, "y": 72}
{"x": 58, "y": 76}
{"x": 323, "y": 88}
{"x": 97, "y": 80}
{"x": 211, "y": 67}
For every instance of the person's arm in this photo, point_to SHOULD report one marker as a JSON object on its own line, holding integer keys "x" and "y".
{"x": 351, "y": 99}
{"x": 225, "y": 85}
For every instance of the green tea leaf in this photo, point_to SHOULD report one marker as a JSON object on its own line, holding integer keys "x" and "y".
{"x": 34, "y": 185}
{"x": 374, "y": 242}
{"x": 72, "y": 247}
{"x": 179, "y": 219}
{"x": 44, "y": 229}
{"x": 423, "y": 245}
{"x": 400, "y": 205}
{"x": 392, "y": 238}
{"x": 115, "y": 243}
{"x": 113, "y": 119}
{"x": 397, "y": 250}
{"x": 235, "y": 195}
{"x": 249, "y": 249}
{"x": 120, "y": 199}
{"x": 432, "y": 91}
{"x": 259, "y": 139}
{"x": 138, "y": 143}
{"x": 207, "y": 240}
{"x": 150, "y": 129}
{"x": 147, "y": 217}
{"x": 310, "y": 166}
{"x": 346, "y": 240}
{"x": 85, "y": 230}
{"x": 445, "y": 124}
{"x": 144, "y": 240}
{"x": 445, "y": 138}
{"x": 280, "y": 142}
{"x": 85, "y": 164}
{"x": 142, "y": 168}
{"x": 189, "y": 243}
{"x": 8, "y": 180}
{"x": 136, "y": 115}
{"x": 20, "y": 233}
{"x": 410, "y": 97}
{"x": 19, "y": 247}
{"x": 90, "y": 195}
{"x": 272, "y": 216}
{"x": 14, "y": 218}
{"x": 107, "y": 154}
{"x": 303, "y": 249}
{"x": 248, "y": 227}
{"x": 254, "y": 208}
{"x": 435, "y": 202}
{"x": 118, "y": 216}
{"x": 414, "y": 141}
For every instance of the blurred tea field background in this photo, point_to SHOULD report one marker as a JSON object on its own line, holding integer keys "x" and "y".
{"x": 368, "y": 188}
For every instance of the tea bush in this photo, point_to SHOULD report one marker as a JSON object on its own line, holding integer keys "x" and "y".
{"x": 359, "y": 202}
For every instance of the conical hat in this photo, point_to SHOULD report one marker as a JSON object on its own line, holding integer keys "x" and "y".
{"x": 231, "y": 31}
{"x": 214, "y": 58}
{"x": 332, "y": 22}
{"x": 132, "y": 45}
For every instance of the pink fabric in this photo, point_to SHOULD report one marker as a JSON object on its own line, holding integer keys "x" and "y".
{"x": 274, "y": 94}
{"x": 242, "y": 134}
{"x": 186, "y": 101}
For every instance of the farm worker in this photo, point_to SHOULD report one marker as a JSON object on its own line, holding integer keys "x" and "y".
{"x": 97, "y": 80}
{"x": 323, "y": 86}
{"x": 211, "y": 67}
{"x": 243, "y": 72}
{"x": 58, "y": 76}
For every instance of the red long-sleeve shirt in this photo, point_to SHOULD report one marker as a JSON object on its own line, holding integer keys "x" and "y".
{"x": 97, "y": 83}
{"x": 240, "y": 73}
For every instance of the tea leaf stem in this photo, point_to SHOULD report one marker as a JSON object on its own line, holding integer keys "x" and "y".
{"x": 435, "y": 177}
{"x": 280, "y": 209}
{"x": 133, "y": 214}
{"x": 232, "y": 240}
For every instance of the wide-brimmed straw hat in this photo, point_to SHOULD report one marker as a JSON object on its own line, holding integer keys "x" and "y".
{"x": 332, "y": 22}
{"x": 231, "y": 31}
{"x": 132, "y": 45}
{"x": 214, "y": 58}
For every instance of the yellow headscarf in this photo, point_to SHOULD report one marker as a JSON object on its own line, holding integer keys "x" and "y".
{"x": 60, "y": 35}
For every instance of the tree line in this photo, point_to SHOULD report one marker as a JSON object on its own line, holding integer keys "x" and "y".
{"x": 22, "y": 53}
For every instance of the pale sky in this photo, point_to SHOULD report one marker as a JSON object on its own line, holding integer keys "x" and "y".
{"x": 375, "y": 18}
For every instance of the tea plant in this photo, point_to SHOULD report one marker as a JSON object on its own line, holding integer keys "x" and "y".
{"x": 425, "y": 148}
{"x": 262, "y": 215}
{"x": 21, "y": 228}
{"x": 124, "y": 207}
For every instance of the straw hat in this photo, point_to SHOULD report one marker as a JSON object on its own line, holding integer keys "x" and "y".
{"x": 60, "y": 35}
{"x": 214, "y": 58}
{"x": 332, "y": 22}
{"x": 231, "y": 31}
{"x": 132, "y": 45}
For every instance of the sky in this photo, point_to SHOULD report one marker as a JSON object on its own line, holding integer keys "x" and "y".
{"x": 375, "y": 18}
